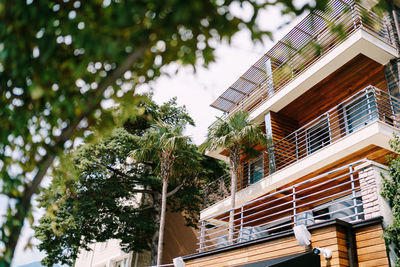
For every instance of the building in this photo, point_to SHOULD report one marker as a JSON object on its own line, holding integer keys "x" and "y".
{"x": 106, "y": 254}
{"x": 326, "y": 95}
{"x": 179, "y": 240}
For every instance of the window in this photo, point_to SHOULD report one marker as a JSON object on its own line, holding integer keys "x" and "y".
{"x": 256, "y": 169}
{"x": 321, "y": 214}
{"x": 318, "y": 136}
{"x": 360, "y": 112}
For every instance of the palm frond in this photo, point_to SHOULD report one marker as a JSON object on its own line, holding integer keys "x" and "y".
{"x": 238, "y": 129}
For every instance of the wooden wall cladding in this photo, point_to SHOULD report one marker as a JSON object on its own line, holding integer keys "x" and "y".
{"x": 371, "y": 249}
{"x": 282, "y": 126}
{"x": 180, "y": 239}
{"x": 349, "y": 79}
{"x": 331, "y": 237}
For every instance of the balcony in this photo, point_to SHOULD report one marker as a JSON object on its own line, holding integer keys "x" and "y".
{"x": 313, "y": 49}
{"x": 345, "y": 128}
{"x": 348, "y": 193}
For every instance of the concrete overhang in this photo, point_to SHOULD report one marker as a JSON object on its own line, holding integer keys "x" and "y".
{"x": 376, "y": 133}
{"x": 217, "y": 154}
{"x": 360, "y": 42}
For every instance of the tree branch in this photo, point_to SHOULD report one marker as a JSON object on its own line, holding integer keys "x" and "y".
{"x": 148, "y": 191}
{"x": 176, "y": 189}
{"x": 118, "y": 172}
{"x": 147, "y": 208}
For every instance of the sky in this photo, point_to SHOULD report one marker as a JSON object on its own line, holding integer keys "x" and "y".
{"x": 196, "y": 91}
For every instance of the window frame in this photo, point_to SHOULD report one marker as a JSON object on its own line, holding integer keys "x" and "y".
{"x": 253, "y": 163}
{"x": 324, "y": 120}
{"x": 371, "y": 105}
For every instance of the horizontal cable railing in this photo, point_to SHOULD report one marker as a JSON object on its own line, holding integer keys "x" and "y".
{"x": 315, "y": 36}
{"x": 366, "y": 106}
{"x": 335, "y": 194}
{"x": 217, "y": 190}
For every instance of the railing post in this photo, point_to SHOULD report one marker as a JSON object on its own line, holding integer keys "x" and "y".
{"x": 353, "y": 16}
{"x": 328, "y": 119}
{"x": 271, "y": 157}
{"x": 296, "y": 146}
{"x": 294, "y": 205}
{"x": 353, "y": 192}
{"x": 222, "y": 187}
{"x": 202, "y": 236}
{"x": 370, "y": 106}
{"x": 241, "y": 223}
{"x": 205, "y": 197}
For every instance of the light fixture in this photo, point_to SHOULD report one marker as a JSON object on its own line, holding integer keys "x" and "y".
{"x": 326, "y": 252}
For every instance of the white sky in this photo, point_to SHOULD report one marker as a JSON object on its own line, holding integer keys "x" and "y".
{"x": 197, "y": 91}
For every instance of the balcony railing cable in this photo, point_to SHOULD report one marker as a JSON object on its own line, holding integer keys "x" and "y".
{"x": 334, "y": 194}
{"x": 352, "y": 114}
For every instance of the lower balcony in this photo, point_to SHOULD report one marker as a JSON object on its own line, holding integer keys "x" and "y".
{"x": 366, "y": 119}
{"x": 348, "y": 194}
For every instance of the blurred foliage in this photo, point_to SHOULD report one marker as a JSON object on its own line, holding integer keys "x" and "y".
{"x": 62, "y": 62}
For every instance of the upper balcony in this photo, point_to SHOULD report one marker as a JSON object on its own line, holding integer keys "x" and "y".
{"x": 320, "y": 44}
{"x": 360, "y": 126}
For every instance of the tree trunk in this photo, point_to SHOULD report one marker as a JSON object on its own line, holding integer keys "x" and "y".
{"x": 162, "y": 220}
{"x": 233, "y": 196}
{"x": 154, "y": 239}
{"x": 234, "y": 159}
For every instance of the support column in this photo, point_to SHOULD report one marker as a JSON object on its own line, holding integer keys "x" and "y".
{"x": 270, "y": 143}
{"x": 370, "y": 174}
{"x": 370, "y": 183}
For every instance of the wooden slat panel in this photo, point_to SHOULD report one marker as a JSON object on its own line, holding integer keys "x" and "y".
{"x": 325, "y": 237}
{"x": 349, "y": 79}
{"x": 374, "y": 263}
{"x": 281, "y": 127}
{"x": 371, "y": 249}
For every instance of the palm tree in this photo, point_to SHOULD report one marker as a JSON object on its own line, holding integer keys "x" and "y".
{"x": 160, "y": 145}
{"x": 236, "y": 134}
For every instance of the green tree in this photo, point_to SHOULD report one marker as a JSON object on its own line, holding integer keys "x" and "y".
{"x": 236, "y": 134}
{"x": 88, "y": 206}
{"x": 391, "y": 191}
{"x": 167, "y": 146}
{"x": 101, "y": 201}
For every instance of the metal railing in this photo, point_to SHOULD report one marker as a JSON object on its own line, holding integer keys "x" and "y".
{"x": 333, "y": 195}
{"x": 250, "y": 172}
{"x": 364, "y": 107}
{"x": 314, "y": 37}
{"x": 217, "y": 190}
